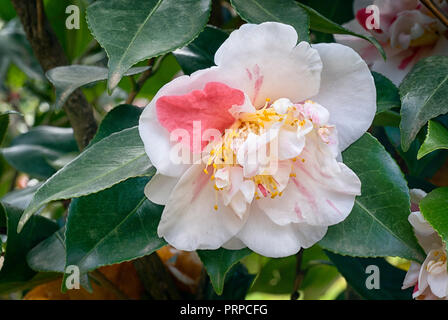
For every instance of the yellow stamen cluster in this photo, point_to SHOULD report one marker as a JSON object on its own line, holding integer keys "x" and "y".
{"x": 223, "y": 154}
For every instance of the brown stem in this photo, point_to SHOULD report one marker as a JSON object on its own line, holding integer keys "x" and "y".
{"x": 300, "y": 274}
{"x": 156, "y": 278}
{"x": 50, "y": 54}
{"x": 138, "y": 85}
{"x": 107, "y": 284}
{"x": 435, "y": 10}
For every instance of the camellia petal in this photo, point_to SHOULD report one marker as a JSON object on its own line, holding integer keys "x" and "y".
{"x": 347, "y": 92}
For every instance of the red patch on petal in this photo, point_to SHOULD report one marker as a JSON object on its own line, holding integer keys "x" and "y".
{"x": 406, "y": 61}
{"x": 198, "y": 111}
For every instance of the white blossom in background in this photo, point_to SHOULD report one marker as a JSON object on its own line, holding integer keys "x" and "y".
{"x": 272, "y": 177}
{"x": 407, "y": 31}
{"x": 430, "y": 280}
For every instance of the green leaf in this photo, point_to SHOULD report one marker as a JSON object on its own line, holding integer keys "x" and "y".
{"x": 387, "y": 96}
{"x": 423, "y": 96}
{"x": 390, "y": 278}
{"x": 115, "y": 225}
{"x": 200, "y": 54}
{"x": 236, "y": 286}
{"x": 49, "y": 255}
{"x": 119, "y": 118}
{"x": 67, "y": 79}
{"x": 387, "y": 119}
{"x": 113, "y": 159}
{"x": 436, "y": 138}
{"x": 133, "y": 30}
{"x": 15, "y": 270}
{"x": 419, "y": 168}
{"x": 378, "y": 224}
{"x": 20, "y": 198}
{"x": 284, "y": 11}
{"x": 218, "y": 263}
{"x": 322, "y": 24}
{"x": 15, "y": 48}
{"x": 277, "y": 276}
{"x": 434, "y": 208}
{"x": 33, "y": 151}
{"x": 4, "y": 123}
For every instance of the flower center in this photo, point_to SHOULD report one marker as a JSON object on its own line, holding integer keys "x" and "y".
{"x": 253, "y": 141}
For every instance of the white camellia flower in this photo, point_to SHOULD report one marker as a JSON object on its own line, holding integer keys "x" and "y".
{"x": 430, "y": 280}
{"x": 407, "y": 31}
{"x": 269, "y": 175}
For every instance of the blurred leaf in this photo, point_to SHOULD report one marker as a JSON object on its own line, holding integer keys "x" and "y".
{"x": 112, "y": 226}
{"x": 277, "y": 276}
{"x": 114, "y": 159}
{"x": 218, "y": 263}
{"x": 434, "y": 208}
{"x": 67, "y": 79}
{"x": 33, "y": 151}
{"x": 15, "y": 270}
{"x": 236, "y": 286}
{"x": 436, "y": 138}
{"x": 387, "y": 96}
{"x": 200, "y": 54}
{"x": 284, "y": 11}
{"x": 4, "y": 123}
{"x": 390, "y": 278}
{"x": 144, "y": 29}
{"x": 322, "y": 24}
{"x": 20, "y": 198}
{"x": 423, "y": 95}
{"x": 377, "y": 225}
{"x": 7, "y": 11}
{"x": 119, "y": 118}
{"x": 14, "y": 47}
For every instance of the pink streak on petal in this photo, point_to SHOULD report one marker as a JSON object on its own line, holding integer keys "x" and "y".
{"x": 199, "y": 184}
{"x": 310, "y": 198}
{"x": 334, "y": 207}
{"x": 263, "y": 190}
{"x": 258, "y": 82}
{"x": 208, "y": 107}
{"x": 249, "y": 74}
{"x": 298, "y": 211}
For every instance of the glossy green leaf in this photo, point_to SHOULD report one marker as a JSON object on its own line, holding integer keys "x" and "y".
{"x": 33, "y": 151}
{"x": 436, "y": 138}
{"x": 49, "y": 255}
{"x": 113, "y": 159}
{"x": 284, "y": 11}
{"x": 387, "y": 96}
{"x": 134, "y": 30}
{"x": 237, "y": 283}
{"x": 67, "y": 79}
{"x": 200, "y": 54}
{"x": 378, "y": 224}
{"x": 277, "y": 276}
{"x": 15, "y": 270}
{"x": 423, "y": 95}
{"x": 419, "y": 168}
{"x": 434, "y": 208}
{"x": 218, "y": 263}
{"x": 119, "y": 118}
{"x": 322, "y": 24}
{"x": 115, "y": 225}
{"x": 390, "y": 278}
